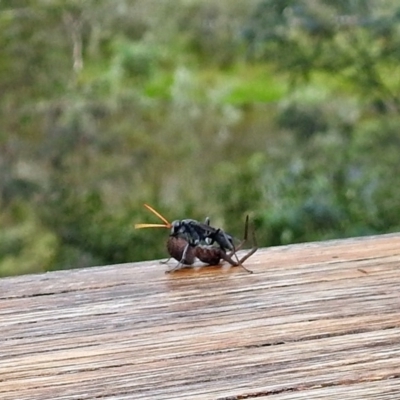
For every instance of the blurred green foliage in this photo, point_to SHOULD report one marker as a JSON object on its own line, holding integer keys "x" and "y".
{"x": 287, "y": 110}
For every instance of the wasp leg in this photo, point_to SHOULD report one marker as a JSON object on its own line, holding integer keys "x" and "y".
{"x": 229, "y": 259}
{"x": 177, "y": 266}
{"x": 182, "y": 262}
{"x": 183, "y": 258}
{"x": 248, "y": 255}
{"x": 252, "y": 250}
{"x": 240, "y": 245}
{"x": 207, "y": 222}
{"x": 165, "y": 262}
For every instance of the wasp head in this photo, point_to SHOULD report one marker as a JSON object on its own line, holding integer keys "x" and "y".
{"x": 177, "y": 228}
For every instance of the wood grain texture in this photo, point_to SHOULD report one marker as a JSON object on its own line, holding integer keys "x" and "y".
{"x": 314, "y": 321}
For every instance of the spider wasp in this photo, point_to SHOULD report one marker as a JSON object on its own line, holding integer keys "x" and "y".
{"x": 190, "y": 239}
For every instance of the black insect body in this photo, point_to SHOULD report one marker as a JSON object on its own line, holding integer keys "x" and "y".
{"x": 186, "y": 254}
{"x": 196, "y": 233}
{"x": 190, "y": 239}
{"x": 223, "y": 239}
{"x": 202, "y": 236}
{"x": 189, "y": 229}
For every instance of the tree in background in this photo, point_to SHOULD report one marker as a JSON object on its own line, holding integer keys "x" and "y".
{"x": 286, "y": 110}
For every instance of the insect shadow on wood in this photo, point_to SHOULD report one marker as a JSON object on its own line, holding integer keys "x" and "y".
{"x": 190, "y": 239}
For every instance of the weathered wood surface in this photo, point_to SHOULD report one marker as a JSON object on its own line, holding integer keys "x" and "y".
{"x": 314, "y": 321}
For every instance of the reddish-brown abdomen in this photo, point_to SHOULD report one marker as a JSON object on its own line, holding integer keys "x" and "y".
{"x": 176, "y": 247}
{"x": 208, "y": 255}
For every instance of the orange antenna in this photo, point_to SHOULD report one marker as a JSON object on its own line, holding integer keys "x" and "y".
{"x": 140, "y": 226}
{"x": 165, "y": 225}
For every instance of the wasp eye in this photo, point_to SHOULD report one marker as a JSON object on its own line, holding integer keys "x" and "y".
{"x": 175, "y": 227}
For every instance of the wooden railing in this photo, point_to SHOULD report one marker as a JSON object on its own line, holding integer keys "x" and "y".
{"x": 314, "y": 321}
